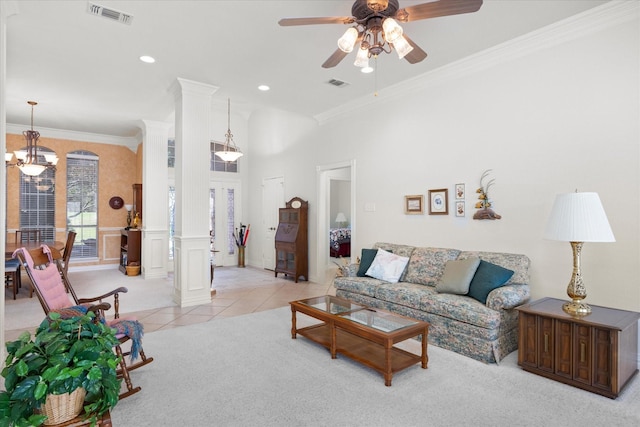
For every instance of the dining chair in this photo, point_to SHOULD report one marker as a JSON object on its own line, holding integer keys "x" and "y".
{"x": 28, "y": 235}
{"x": 12, "y": 275}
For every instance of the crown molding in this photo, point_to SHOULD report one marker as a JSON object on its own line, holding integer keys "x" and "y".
{"x": 129, "y": 142}
{"x": 585, "y": 23}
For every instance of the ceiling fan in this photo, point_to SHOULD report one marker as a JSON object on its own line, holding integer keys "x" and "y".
{"x": 376, "y": 29}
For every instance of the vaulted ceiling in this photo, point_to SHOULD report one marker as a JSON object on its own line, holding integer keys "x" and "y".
{"x": 85, "y": 72}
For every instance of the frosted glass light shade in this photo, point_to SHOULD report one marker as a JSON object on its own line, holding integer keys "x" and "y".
{"x": 392, "y": 30}
{"x": 578, "y": 217}
{"x": 341, "y": 217}
{"x": 402, "y": 46}
{"x": 229, "y": 156}
{"x": 21, "y": 154}
{"x": 32, "y": 169}
{"x": 348, "y": 40}
{"x": 362, "y": 58}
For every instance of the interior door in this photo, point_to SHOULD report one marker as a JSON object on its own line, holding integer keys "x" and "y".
{"x": 272, "y": 200}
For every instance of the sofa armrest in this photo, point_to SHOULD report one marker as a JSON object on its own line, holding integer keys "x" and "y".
{"x": 508, "y": 297}
{"x": 348, "y": 270}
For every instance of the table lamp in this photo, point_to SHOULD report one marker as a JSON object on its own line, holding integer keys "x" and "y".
{"x": 578, "y": 218}
{"x": 341, "y": 219}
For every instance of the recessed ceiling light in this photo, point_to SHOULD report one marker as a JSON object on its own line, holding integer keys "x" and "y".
{"x": 147, "y": 59}
{"x": 367, "y": 70}
{"x": 264, "y": 88}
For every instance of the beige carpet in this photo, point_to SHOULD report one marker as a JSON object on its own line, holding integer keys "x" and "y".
{"x": 247, "y": 371}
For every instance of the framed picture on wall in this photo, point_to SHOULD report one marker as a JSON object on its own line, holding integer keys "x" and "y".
{"x": 460, "y": 208}
{"x": 459, "y": 191}
{"x": 439, "y": 202}
{"x": 414, "y": 205}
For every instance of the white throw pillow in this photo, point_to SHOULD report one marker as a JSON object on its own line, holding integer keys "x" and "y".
{"x": 457, "y": 276}
{"x": 387, "y": 266}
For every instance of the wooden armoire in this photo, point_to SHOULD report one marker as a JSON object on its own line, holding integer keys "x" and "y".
{"x": 291, "y": 243}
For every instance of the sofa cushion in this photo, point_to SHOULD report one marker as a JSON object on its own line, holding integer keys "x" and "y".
{"x": 487, "y": 278}
{"x": 365, "y": 261}
{"x": 358, "y": 285}
{"x": 403, "y": 293}
{"x": 387, "y": 266}
{"x": 426, "y": 265}
{"x": 457, "y": 276}
{"x": 516, "y": 262}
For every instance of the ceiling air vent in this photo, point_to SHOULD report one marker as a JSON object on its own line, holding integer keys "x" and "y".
{"x": 337, "y": 83}
{"x": 114, "y": 15}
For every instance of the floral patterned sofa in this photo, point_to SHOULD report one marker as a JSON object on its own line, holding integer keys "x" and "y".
{"x": 486, "y": 332}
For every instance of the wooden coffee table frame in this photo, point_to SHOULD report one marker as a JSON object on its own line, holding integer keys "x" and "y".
{"x": 371, "y": 347}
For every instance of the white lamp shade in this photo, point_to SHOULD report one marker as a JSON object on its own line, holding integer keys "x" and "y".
{"x": 341, "y": 217}
{"x": 578, "y": 217}
{"x": 128, "y": 207}
{"x": 8, "y": 157}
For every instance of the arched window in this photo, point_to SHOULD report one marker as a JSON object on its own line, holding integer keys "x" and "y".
{"x": 38, "y": 199}
{"x": 82, "y": 202}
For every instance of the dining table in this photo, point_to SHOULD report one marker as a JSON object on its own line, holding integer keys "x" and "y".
{"x": 10, "y": 247}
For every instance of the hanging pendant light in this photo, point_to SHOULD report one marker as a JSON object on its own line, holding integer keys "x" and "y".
{"x": 27, "y": 160}
{"x": 231, "y": 152}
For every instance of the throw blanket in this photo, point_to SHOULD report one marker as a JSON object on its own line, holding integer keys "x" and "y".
{"x": 129, "y": 328}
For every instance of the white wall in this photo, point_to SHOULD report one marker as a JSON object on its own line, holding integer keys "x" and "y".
{"x": 551, "y": 119}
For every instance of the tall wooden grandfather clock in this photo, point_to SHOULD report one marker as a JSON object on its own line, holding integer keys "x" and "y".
{"x": 291, "y": 240}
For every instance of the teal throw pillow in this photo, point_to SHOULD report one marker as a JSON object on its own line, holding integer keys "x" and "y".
{"x": 367, "y": 257}
{"x": 487, "y": 278}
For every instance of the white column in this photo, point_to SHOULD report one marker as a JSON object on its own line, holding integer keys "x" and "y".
{"x": 192, "y": 285}
{"x": 155, "y": 199}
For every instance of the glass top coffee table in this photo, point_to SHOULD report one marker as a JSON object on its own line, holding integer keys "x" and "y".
{"x": 363, "y": 334}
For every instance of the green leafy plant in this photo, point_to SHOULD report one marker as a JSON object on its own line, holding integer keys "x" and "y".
{"x": 64, "y": 354}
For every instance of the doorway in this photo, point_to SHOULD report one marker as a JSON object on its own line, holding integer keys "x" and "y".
{"x": 336, "y": 194}
{"x": 272, "y": 201}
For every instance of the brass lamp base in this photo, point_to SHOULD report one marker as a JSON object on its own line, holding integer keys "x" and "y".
{"x": 576, "y": 308}
{"x": 576, "y": 290}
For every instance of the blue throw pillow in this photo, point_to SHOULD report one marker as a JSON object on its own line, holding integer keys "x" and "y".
{"x": 366, "y": 259}
{"x": 487, "y": 278}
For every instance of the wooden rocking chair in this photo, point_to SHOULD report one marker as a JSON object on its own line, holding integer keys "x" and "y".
{"x": 55, "y": 293}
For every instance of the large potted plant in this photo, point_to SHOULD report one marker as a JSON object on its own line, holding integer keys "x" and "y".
{"x": 64, "y": 355}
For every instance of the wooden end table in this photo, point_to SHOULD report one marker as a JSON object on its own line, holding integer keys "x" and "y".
{"x": 361, "y": 333}
{"x": 597, "y": 352}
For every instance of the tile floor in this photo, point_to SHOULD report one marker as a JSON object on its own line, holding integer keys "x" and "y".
{"x": 238, "y": 291}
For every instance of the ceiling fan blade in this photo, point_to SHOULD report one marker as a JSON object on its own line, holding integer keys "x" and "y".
{"x": 436, "y": 9}
{"x": 287, "y": 22}
{"x": 417, "y": 54}
{"x": 339, "y": 55}
{"x": 334, "y": 59}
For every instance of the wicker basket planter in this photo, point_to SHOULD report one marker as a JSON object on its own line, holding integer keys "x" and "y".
{"x": 63, "y": 407}
{"x": 133, "y": 270}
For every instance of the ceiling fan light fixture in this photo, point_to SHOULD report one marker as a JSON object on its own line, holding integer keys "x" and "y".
{"x": 402, "y": 47}
{"x": 347, "y": 42}
{"x": 392, "y": 30}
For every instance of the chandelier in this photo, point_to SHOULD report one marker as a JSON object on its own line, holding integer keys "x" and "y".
{"x": 27, "y": 160}
{"x": 230, "y": 152}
